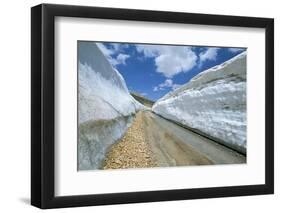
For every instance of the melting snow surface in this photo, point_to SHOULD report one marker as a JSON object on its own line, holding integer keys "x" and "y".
{"x": 212, "y": 103}
{"x": 105, "y": 106}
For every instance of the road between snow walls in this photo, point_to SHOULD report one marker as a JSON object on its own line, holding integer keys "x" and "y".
{"x": 212, "y": 104}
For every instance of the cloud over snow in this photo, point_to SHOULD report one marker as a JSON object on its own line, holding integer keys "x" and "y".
{"x": 168, "y": 83}
{"x": 235, "y": 50}
{"x": 210, "y": 54}
{"x": 113, "y": 54}
{"x": 169, "y": 60}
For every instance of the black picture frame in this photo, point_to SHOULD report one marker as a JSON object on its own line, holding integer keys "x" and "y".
{"x": 43, "y": 105}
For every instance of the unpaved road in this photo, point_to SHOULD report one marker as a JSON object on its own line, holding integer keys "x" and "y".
{"x": 154, "y": 141}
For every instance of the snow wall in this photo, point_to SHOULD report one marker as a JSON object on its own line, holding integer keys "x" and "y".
{"x": 213, "y": 103}
{"x": 105, "y": 107}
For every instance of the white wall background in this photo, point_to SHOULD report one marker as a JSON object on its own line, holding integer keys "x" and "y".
{"x": 15, "y": 105}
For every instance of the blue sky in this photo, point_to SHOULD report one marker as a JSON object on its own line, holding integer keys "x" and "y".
{"x": 154, "y": 70}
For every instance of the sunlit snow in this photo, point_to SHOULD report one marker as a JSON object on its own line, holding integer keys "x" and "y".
{"x": 213, "y": 103}
{"x": 105, "y": 106}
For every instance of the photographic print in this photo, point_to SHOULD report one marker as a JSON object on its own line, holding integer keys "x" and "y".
{"x": 114, "y": 97}
{"x": 156, "y": 105}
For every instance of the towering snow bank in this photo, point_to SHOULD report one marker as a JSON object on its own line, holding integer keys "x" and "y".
{"x": 212, "y": 103}
{"x": 105, "y": 106}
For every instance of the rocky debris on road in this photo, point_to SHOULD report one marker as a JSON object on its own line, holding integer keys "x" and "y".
{"x": 132, "y": 151}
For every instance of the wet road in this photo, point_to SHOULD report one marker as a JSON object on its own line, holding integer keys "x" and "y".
{"x": 174, "y": 145}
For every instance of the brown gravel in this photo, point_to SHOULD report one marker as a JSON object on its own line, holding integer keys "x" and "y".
{"x": 133, "y": 150}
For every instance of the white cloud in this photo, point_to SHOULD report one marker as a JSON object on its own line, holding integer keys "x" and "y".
{"x": 119, "y": 46}
{"x": 121, "y": 58}
{"x": 210, "y": 54}
{"x": 155, "y": 89}
{"x": 235, "y": 50}
{"x": 170, "y": 60}
{"x": 149, "y": 50}
{"x": 168, "y": 83}
{"x": 115, "y": 48}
